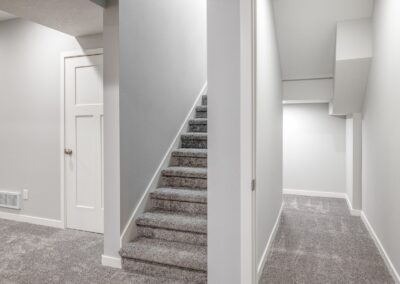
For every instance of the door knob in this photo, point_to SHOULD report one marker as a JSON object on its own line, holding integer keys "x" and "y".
{"x": 68, "y": 152}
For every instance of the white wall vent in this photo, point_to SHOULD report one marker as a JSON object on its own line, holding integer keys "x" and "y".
{"x": 10, "y": 199}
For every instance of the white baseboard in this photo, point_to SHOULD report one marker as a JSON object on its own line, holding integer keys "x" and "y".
{"x": 353, "y": 212}
{"x": 383, "y": 252}
{"x": 267, "y": 249}
{"x": 130, "y": 230}
{"x": 32, "y": 220}
{"x": 111, "y": 261}
{"x": 315, "y": 193}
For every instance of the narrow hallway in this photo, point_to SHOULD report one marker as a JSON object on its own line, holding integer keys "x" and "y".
{"x": 318, "y": 241}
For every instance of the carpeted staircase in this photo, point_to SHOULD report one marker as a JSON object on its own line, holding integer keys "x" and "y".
{"x": 172, "y": 242}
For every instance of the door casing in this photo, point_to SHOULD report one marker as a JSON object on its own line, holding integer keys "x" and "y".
{"x": 63, "y": 58}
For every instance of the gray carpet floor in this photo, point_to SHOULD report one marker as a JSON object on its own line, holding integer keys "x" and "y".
{"x": 318, "y": 241}
{"x": 31, "y": 254}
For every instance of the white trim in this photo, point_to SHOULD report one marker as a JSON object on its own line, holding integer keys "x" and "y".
{"x": 315, "y": 193}
{"x": 63, "y": 57}
{"x": 31, "y": 219}
{"x": 111, "y": 261}
{"x": 130, "y": 230}
{"x": 353, "y": 212}
{"x": 382, "y": 250}
{"x": 264, "y": 257}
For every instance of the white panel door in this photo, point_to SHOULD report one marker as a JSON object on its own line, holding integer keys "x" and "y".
{"x": 84, "y": 143}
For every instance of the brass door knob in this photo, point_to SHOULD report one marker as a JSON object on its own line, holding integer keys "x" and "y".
{"x": 68, "y": 152}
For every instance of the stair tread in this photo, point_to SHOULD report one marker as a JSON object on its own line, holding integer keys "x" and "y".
{"x": 189, "y": 172}
{"x": 195, "y": 135}
{"x": 190, "y": 152}
{"x": 198, "y": 121}
{"x": 166, "y": 252}
{"x": 180, "y": 194}
{"x": 201, "y": 108}
{"x": 174, "y": 221}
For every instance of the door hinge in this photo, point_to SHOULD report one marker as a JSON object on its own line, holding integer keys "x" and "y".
{"x": 253, "y": 184}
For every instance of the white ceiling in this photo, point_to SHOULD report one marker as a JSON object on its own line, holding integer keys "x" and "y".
{"x": 306, "y": 31}
{"x": 74, "y": 17}
{"x": 4, "y": 16}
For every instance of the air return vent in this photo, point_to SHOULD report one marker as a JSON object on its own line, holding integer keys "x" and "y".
{"x": 10, "y": 199}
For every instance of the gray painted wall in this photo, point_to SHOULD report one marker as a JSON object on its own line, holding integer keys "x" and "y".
{"x": 381, "y": 135}
{"x": 112, "y": 230}
{"x": 224, "y": 172}
{"x": 30, "y": 112}
{"x": 269, "y": 127}
{"x": 314, "y": 149}
{"x": 163, "y": 68}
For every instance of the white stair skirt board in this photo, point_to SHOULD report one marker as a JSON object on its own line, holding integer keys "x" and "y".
{"x": 382, "y": 251}
{"x": 260, "y": 266}
{"x": 32, "y": 220}
{"x": 130, "y": 230}
{"x": 111, "y": 261}
{"x": 314, "y": 193}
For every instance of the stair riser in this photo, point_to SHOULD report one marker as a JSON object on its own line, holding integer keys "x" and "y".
{"x": 164, "y": 271}
{"x": 183, "y": 182}
{"x": 179, "y": 206}
{"x": 197, "y": 127}
{"x": 172, "y": 235}
{"x": 193, "y": 162}
{"x": 194, "y": 143}
{"x": 204, "y": 100}
{"x": 201, "y": 114}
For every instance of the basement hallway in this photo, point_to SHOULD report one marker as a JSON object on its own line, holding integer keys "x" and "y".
{"x": 318, "y": 241}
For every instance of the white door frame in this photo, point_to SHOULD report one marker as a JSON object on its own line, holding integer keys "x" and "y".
{"x": 254, "y": 137}
{"x": 63, "y": 58}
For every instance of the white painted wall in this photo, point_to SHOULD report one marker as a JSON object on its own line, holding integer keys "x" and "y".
{"x": 314, "y": 149}
{"x": 306, "y": 33}
{"x": 353, "y": 39}
{"x": 163, "y": 59}
{"x": 353, "y": 58}
{"x": 381, "y": 135}
{"x": 308, "y": 91}
{"x": 30, "y": 112}
{"x": 269, "y": 129}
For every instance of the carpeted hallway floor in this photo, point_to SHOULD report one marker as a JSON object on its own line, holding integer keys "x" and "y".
{"x": 318, "y": 241}
{"x": 31, "y": 254}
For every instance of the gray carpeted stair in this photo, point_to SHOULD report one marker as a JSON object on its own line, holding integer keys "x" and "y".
{"x": 194, "y": 140}
{"x": 189, "y": 158}
{"x": 204, "y": 100}
{"x": 184, "y": 177}
{"x": 198, "y": 125}
{"x": 172, "y": 234}
{"x": 180, "y": 200}
{"x": 201, "y": 111}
